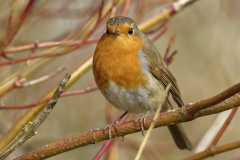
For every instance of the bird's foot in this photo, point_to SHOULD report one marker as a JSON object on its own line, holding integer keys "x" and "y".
{"x": 109, "y": 126}
{"x": 142, "y": 121}
{"x": 115, "y": 124}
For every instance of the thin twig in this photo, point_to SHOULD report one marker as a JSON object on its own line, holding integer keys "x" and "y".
{"x": 9, "y": 25}
{"x": 15, "y": 30}
{"x": 65, "y": 94}
{"x": 160, "y": 27}
{"x": 165, "y": 28}
{"x": 209, "y": 135}
{"x": 87, "y": 36}
{"x": 168, "y": 59}
{"x": 43, "y": 78}
{"x": 29, "y": 129}
{"x": 224, "y": 127}
{"x": 214, "y": 150}
{"x": 144, "y": 142}
{"x": 126, "y": 7}
{"x": 49, "y": 44}
{"x": 24, "y": 68}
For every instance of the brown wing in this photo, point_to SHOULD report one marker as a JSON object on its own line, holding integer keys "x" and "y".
{"x": 161, "y": 72}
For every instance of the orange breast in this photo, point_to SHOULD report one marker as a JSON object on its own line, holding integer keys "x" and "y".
{"x": 116, "y": 59}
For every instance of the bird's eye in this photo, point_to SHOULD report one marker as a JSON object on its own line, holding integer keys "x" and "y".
{"x": 107, "y": 31}
{"x": 130, "y": 31}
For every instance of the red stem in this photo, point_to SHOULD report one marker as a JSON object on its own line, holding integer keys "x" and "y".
{"x": 13, "y": 33}
{"x": 65, "y": 94}
{"x": 24, "y": 68}
{"x": 160, "y": 34}
{"x": 224, "y": 127}
{"x": 126, "y": 7}
{"x": 9, "y": 26}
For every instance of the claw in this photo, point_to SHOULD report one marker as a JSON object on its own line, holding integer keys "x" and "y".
{"x": 115, "y": 124}
{"x": 109, "y": 126}
{"x": 142, "y": 121}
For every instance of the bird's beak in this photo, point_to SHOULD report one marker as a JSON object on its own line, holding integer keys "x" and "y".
{"x": 116, "y": 31}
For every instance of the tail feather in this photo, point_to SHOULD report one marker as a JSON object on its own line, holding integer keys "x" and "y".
{"x": 177, "y": 131}
{"x": 180, "y": 137}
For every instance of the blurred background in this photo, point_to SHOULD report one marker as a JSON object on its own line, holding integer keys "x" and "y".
{"x": 207, "y": 62}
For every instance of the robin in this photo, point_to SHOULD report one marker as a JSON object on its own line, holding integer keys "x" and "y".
{"x": 130, "y": 73}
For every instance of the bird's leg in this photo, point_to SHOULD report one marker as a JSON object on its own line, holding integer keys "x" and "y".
{"x": 115, "y": 123}
{"x": 142, "y": 121}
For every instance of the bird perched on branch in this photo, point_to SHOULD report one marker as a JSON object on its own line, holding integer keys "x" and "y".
{"x": 130, "y": 73}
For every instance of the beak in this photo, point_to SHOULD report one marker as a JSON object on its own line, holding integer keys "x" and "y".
{"x": 116, "y": 31}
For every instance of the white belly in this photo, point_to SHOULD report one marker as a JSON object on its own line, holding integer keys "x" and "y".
{"x": 140, "y": 100}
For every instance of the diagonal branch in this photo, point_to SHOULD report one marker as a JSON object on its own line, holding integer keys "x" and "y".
{"x": 183, "y": 114}
{"x": 29, "y": 129}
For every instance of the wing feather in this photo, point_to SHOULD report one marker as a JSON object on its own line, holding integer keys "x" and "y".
{"x": 160, "y": 71}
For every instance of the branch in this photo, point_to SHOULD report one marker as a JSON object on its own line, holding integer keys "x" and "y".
{"x": 24, "y": 83}
{"x": 11, "y": 35}
{"x": 24, "y": 68}
{"x": 49, "y": 44}
{"x": 214, "y": 150}
{"x": 29, "y": 129}
{"x": 65, "y": 94}
{"x": 31, "y": 113}
{"x": 224, "y": 127}
{"x": 183, "y": 114}
{"x": 126, "y": 8}
{"x": 66, "y": 51}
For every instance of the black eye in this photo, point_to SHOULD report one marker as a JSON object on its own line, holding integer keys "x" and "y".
{"x": 107, "y": 31}
{"x": 130, "y": 31}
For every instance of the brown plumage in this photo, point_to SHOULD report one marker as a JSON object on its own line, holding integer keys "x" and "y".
{"x": 131, "y": 74}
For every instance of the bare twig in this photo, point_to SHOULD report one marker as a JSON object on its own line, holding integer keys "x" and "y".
{"x": 11, "y": 35}
{"x": 65, "y": 94}
{"x": 224, "y": 127}
{"x": 216, "y": 139}
{"x": 49, "y": 44}
{"x": 144, "y": 142}
{"x": 66, "y": 51}
{"x": 41, "y": 79}
{"x": 29, "y": 129}
{"x": 209, "y": 135}
{"x": 160, "y": 27}
{"x": 24, "y": 68}
{"x": 126, "y": 7}
{"x": 214, "y": 150}
{"x": 160, "y": 33}
{"x": 168, "y": 59}
{"x": 167, "y": 12}
{"x": 9, "y": 25}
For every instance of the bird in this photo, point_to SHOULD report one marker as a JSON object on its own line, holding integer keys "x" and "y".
{"x": 131, "y": 74}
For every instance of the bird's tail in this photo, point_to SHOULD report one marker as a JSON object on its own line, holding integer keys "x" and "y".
{"x": 180, "y": 137}
{"x": 177, "y": 132}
